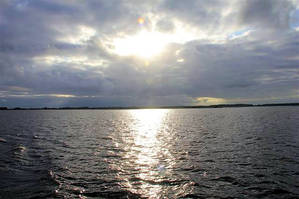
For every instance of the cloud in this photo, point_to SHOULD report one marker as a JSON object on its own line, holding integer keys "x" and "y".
{"x": 233, "y": 51}
{"x": 165, "y": 25}
{"x": 269, "y": 14}
{"x": 210, "y": 100}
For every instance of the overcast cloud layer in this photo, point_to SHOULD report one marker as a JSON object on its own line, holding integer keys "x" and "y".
{"x": 61, "y": 53}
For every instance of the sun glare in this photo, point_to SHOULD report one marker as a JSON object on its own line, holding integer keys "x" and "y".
{"x": 144, "y": 44}
{"x": 147, "y": 43}
{"x": 140, "y": 20}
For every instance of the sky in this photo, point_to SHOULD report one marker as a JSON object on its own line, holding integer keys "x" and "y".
{"x": 56, "y": 53}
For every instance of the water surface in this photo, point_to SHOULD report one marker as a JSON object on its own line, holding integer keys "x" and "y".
{"x": 156, "y": 153}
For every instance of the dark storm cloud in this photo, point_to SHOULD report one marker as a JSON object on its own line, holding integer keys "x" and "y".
{"x": 248, "y": 51}
{"x": 266, "y": 14}
{"x": 243, "y": 69}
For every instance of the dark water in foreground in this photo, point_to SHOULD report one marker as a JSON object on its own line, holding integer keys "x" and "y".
{"x": 195, "y": 153}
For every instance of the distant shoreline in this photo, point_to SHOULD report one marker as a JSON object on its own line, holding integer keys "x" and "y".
{"x": 154, "y": 107}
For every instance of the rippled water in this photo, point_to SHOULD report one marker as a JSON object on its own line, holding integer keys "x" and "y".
{"x": 156, "y": 153}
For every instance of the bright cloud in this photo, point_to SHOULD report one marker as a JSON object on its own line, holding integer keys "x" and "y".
{"x": 210, "y": 100}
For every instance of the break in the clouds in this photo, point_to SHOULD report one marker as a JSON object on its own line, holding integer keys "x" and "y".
{"x": 160, "y": 52}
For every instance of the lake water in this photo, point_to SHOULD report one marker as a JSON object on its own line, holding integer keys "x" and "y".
{"x": 155, "y": 153}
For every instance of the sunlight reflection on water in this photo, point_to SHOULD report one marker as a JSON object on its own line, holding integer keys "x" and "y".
{"x": 148, "y": 153}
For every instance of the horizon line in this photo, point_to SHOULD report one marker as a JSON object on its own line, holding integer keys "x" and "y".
{"x": 151, "y": 107}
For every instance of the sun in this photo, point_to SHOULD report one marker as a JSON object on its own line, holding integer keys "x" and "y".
{"x": 145, "y": 44}
{"x": 149, "y": 43}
